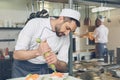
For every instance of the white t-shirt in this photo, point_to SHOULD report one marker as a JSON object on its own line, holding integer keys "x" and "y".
{"x": 101, "y": 34}
{"x": 41, "y": 28}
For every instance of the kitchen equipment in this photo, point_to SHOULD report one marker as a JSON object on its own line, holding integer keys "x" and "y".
{"x": 118, "y": 55}
{"x": 87, "y": 20}
{"x": 114, "y": 69}
{"x": 115, "y": 73}
{"x": 52, "y": 66}
{"x": 108, "y": 19}
{"x": 1, "y": 54}
{"x": 109, "y": 56}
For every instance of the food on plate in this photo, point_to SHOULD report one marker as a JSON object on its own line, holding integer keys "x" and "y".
{"x": 46, "y": 78}
{"x": 32, "y": 77}
{"x": 57, "y": 74}
{"x": 67, "y": 78}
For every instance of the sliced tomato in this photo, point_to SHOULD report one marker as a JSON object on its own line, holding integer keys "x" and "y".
{"x": 57, "y": 74}
{"x": 32, "y": 77}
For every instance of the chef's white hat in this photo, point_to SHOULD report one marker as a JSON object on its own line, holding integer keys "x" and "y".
{"x": 72, "y": 14}
{"x": 101, "y": 18}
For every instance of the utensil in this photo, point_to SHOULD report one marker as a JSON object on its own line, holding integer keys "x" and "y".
{"x": 52, "y": 66}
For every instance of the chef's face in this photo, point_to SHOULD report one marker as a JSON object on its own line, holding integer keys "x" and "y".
{"x": 98, "y": 22}
{"x": 65, "y": 27}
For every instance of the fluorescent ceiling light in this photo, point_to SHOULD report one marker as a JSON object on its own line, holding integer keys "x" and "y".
{"x": 100, "y": 9}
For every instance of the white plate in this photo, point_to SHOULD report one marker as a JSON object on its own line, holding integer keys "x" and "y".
{"x": 48, "y": 76}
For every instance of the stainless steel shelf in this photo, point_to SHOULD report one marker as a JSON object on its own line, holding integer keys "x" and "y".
{"x": 6, "y": 40}
{"x": 10, "y": 28}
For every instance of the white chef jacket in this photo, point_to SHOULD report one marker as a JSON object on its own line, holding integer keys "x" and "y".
{"x": 101, "y": 34}
{"x": 41, "y": 28}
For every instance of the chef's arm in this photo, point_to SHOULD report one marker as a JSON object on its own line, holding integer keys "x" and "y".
{"x": 90, "y": 36}
{"x": 61, "y": 66}
{"x": 86, "y": 35}
{"x": 25, "y": 54}
{"x": 30, "y": 54}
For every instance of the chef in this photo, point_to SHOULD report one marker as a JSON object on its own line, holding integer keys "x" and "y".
{"x": 54, "y": 36}
{"x": 100, "y": 35}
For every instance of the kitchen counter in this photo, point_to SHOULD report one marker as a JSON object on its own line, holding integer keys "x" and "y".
{"x": 95, "y": 70}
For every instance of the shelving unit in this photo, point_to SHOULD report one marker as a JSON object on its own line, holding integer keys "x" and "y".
{"x": 10, "y": 28}
{"x": 6, "y": 40}
{"x": 8, "y": 37}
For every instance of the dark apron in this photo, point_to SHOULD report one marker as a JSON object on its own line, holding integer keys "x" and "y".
{"x": 100, "y": 50}
{"x": 23, "y": 68}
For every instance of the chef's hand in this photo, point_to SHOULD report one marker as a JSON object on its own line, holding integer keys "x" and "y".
{"x": 51, "y": 58}
{"x": 43, "y": 48}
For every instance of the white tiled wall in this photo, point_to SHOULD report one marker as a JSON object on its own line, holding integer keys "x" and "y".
{"x": 8, "y": 34}
{"x": 15, "y": 13}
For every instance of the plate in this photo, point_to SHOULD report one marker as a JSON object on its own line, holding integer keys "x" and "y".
{"x": 48, "y": 77}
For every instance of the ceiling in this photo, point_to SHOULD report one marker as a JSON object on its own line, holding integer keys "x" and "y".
{"x": 111, "y": 3}
{"x": 101, "y": 1}
{"x": 61, "y": 1}
{"x": 117, "y": 2}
